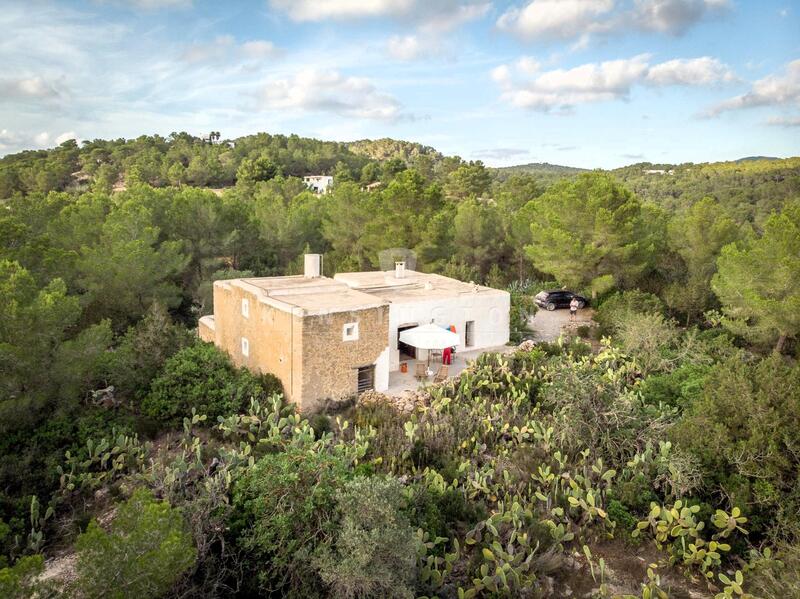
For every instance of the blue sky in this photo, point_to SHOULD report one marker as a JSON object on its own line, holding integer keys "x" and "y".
{"x": 593, "y": 83}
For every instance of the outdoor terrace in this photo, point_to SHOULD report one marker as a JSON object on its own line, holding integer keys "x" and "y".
{"x": 400, "y": 382}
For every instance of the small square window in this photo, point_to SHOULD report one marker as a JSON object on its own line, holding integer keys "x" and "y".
{"x": 245, "y": 308}
{"x": 245, "y": 347}
{"x": 350, "y": 332}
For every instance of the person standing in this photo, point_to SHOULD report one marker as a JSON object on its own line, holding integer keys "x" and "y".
{"x": 573, "y": 308}
{"x": 447, "y": 356}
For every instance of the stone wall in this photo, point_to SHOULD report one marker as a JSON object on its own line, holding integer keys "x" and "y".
{"x": 274, "y": 335}
{"x": 330, "y": 364}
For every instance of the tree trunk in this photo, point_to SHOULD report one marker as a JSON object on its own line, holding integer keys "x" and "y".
{"x": 780, "y": 343}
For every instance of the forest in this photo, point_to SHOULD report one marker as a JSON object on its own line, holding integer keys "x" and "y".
{"x": 137, "y": 461}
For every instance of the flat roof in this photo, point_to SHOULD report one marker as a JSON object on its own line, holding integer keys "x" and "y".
{"x": 412, "y": 286}
{"x": 306, "y": 295}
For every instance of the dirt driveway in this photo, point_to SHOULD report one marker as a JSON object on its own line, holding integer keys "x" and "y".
{"x": 548, "y": 325}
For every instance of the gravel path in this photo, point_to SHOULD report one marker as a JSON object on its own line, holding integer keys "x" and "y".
{"x": 548, "y": 325}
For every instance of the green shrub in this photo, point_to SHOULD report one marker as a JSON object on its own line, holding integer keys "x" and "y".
{"x": 147, "y": 549}
{"x": 284, "y": 510}
{"x": 20, "y": 581}
{"x": 576, "y": 347}
{"x": 321, "y": 423}
{"x": 374, "y": 551}
{"x": 439, "y": 513}
{"x": 745, "y": 431}
{"x": 202, "y": 377}
{"x": 142, "y": 352}
{"x": 678, "y": 388}
{"x": 584, "y": 331}
{"x": 618, "y": 513}
{"x": 636, "y": 494}
{"x": 775, "y": 574}
{"x": 618, "y": 305}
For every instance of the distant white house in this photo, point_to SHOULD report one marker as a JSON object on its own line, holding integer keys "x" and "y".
{"x": 318, "y": 183}
{"x": 659, "y": 171}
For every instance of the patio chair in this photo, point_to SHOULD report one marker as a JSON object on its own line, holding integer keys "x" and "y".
{"x": 441, "y": 374}
{"x": 420, "y": 371}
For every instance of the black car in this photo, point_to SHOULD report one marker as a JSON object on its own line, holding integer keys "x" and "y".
{"x": 558, "y": 298}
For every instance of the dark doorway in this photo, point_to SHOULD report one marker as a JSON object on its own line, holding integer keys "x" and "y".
{"x": 469, "y": 333}
{"x": 366, "y": 378}
{"x": 407, "y": 352}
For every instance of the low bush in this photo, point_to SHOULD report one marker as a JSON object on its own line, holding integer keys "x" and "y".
{"x": 146, "y": 550}
{"x": 374, "y": 552}
{"x": 201, "y": 377}
{"x": 21, "y": 581}
{"x": 775, "y": 574}
{"x": 618, "y": 305}
{"x": 284, "y": 511}
{"x": 678, "y": 388}
{"x": 745, "y": 431}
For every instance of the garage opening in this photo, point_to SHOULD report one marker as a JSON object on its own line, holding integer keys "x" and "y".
{"x": 407, "y": 352}
{"x": 366, "y": 378}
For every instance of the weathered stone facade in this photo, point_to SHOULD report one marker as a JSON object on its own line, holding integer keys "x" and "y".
{"x": 306, "y": 351}
{"x": 330, "y": 365}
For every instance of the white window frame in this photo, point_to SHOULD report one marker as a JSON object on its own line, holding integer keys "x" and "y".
{"x": 245, "y": 347}
{"x": 245, "y": 308}
{"x": 353, "y": 335}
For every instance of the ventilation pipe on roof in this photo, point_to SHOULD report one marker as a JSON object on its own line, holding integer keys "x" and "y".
{"x": 313, "y": 266}
{"x": 399, "y": 270}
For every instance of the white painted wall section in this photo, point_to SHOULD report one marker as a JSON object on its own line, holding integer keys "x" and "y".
{"x": 489, "y": 312}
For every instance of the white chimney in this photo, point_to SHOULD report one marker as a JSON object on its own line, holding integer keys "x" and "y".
{"x": 399, "y": 270}
{"x": 313, "y": 266}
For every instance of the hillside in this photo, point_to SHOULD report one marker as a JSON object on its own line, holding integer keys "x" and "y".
{"x": 387, "y": 148}
{"x": 748, "y": 190}
{"x": 541, "y": 169}
{"x": 669, "y": 412}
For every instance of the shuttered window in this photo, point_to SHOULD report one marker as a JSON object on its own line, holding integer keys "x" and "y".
{"x": 366, "y": 378}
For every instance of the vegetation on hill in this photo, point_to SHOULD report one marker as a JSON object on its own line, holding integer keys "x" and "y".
{"x": 545, "y": 170}
{"x": 121, "y": 434}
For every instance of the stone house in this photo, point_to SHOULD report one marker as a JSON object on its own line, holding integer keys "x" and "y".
{"x": 330, "y": 338}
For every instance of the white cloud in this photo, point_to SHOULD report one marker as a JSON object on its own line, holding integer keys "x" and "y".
{"x": 258, "y": 49}
{"x": 443, "y": 17}
{"x": 524, "y": 86}
{"x": 42, "y": 139}
{"x": 433, "y": 24}
{"x": 784, "y": 121}
{"x": 27, "y": 88}
{"x": 501, "y": 74}
{"x": 781, "y": 89}
{"x": 499, "y": 153}
{"x": 675, "y": 16}
{"x": 431, "y": 20}
{"x": 224, "y": 48}
{"x": 436, "y": 14}
{"x": 157, "y": 4}
{"x": 313, "y": 90}
{"x": 313, "y": 10}
{"x": 66, "y": 137}
{"x": 554, "y": 19}
{"x": 407, "y": 47}
{"x": 548, "y": 20}
{"x": 528, "y": 66}
{"x": 694, "y": 71}
{"x": 410, "y": 47}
